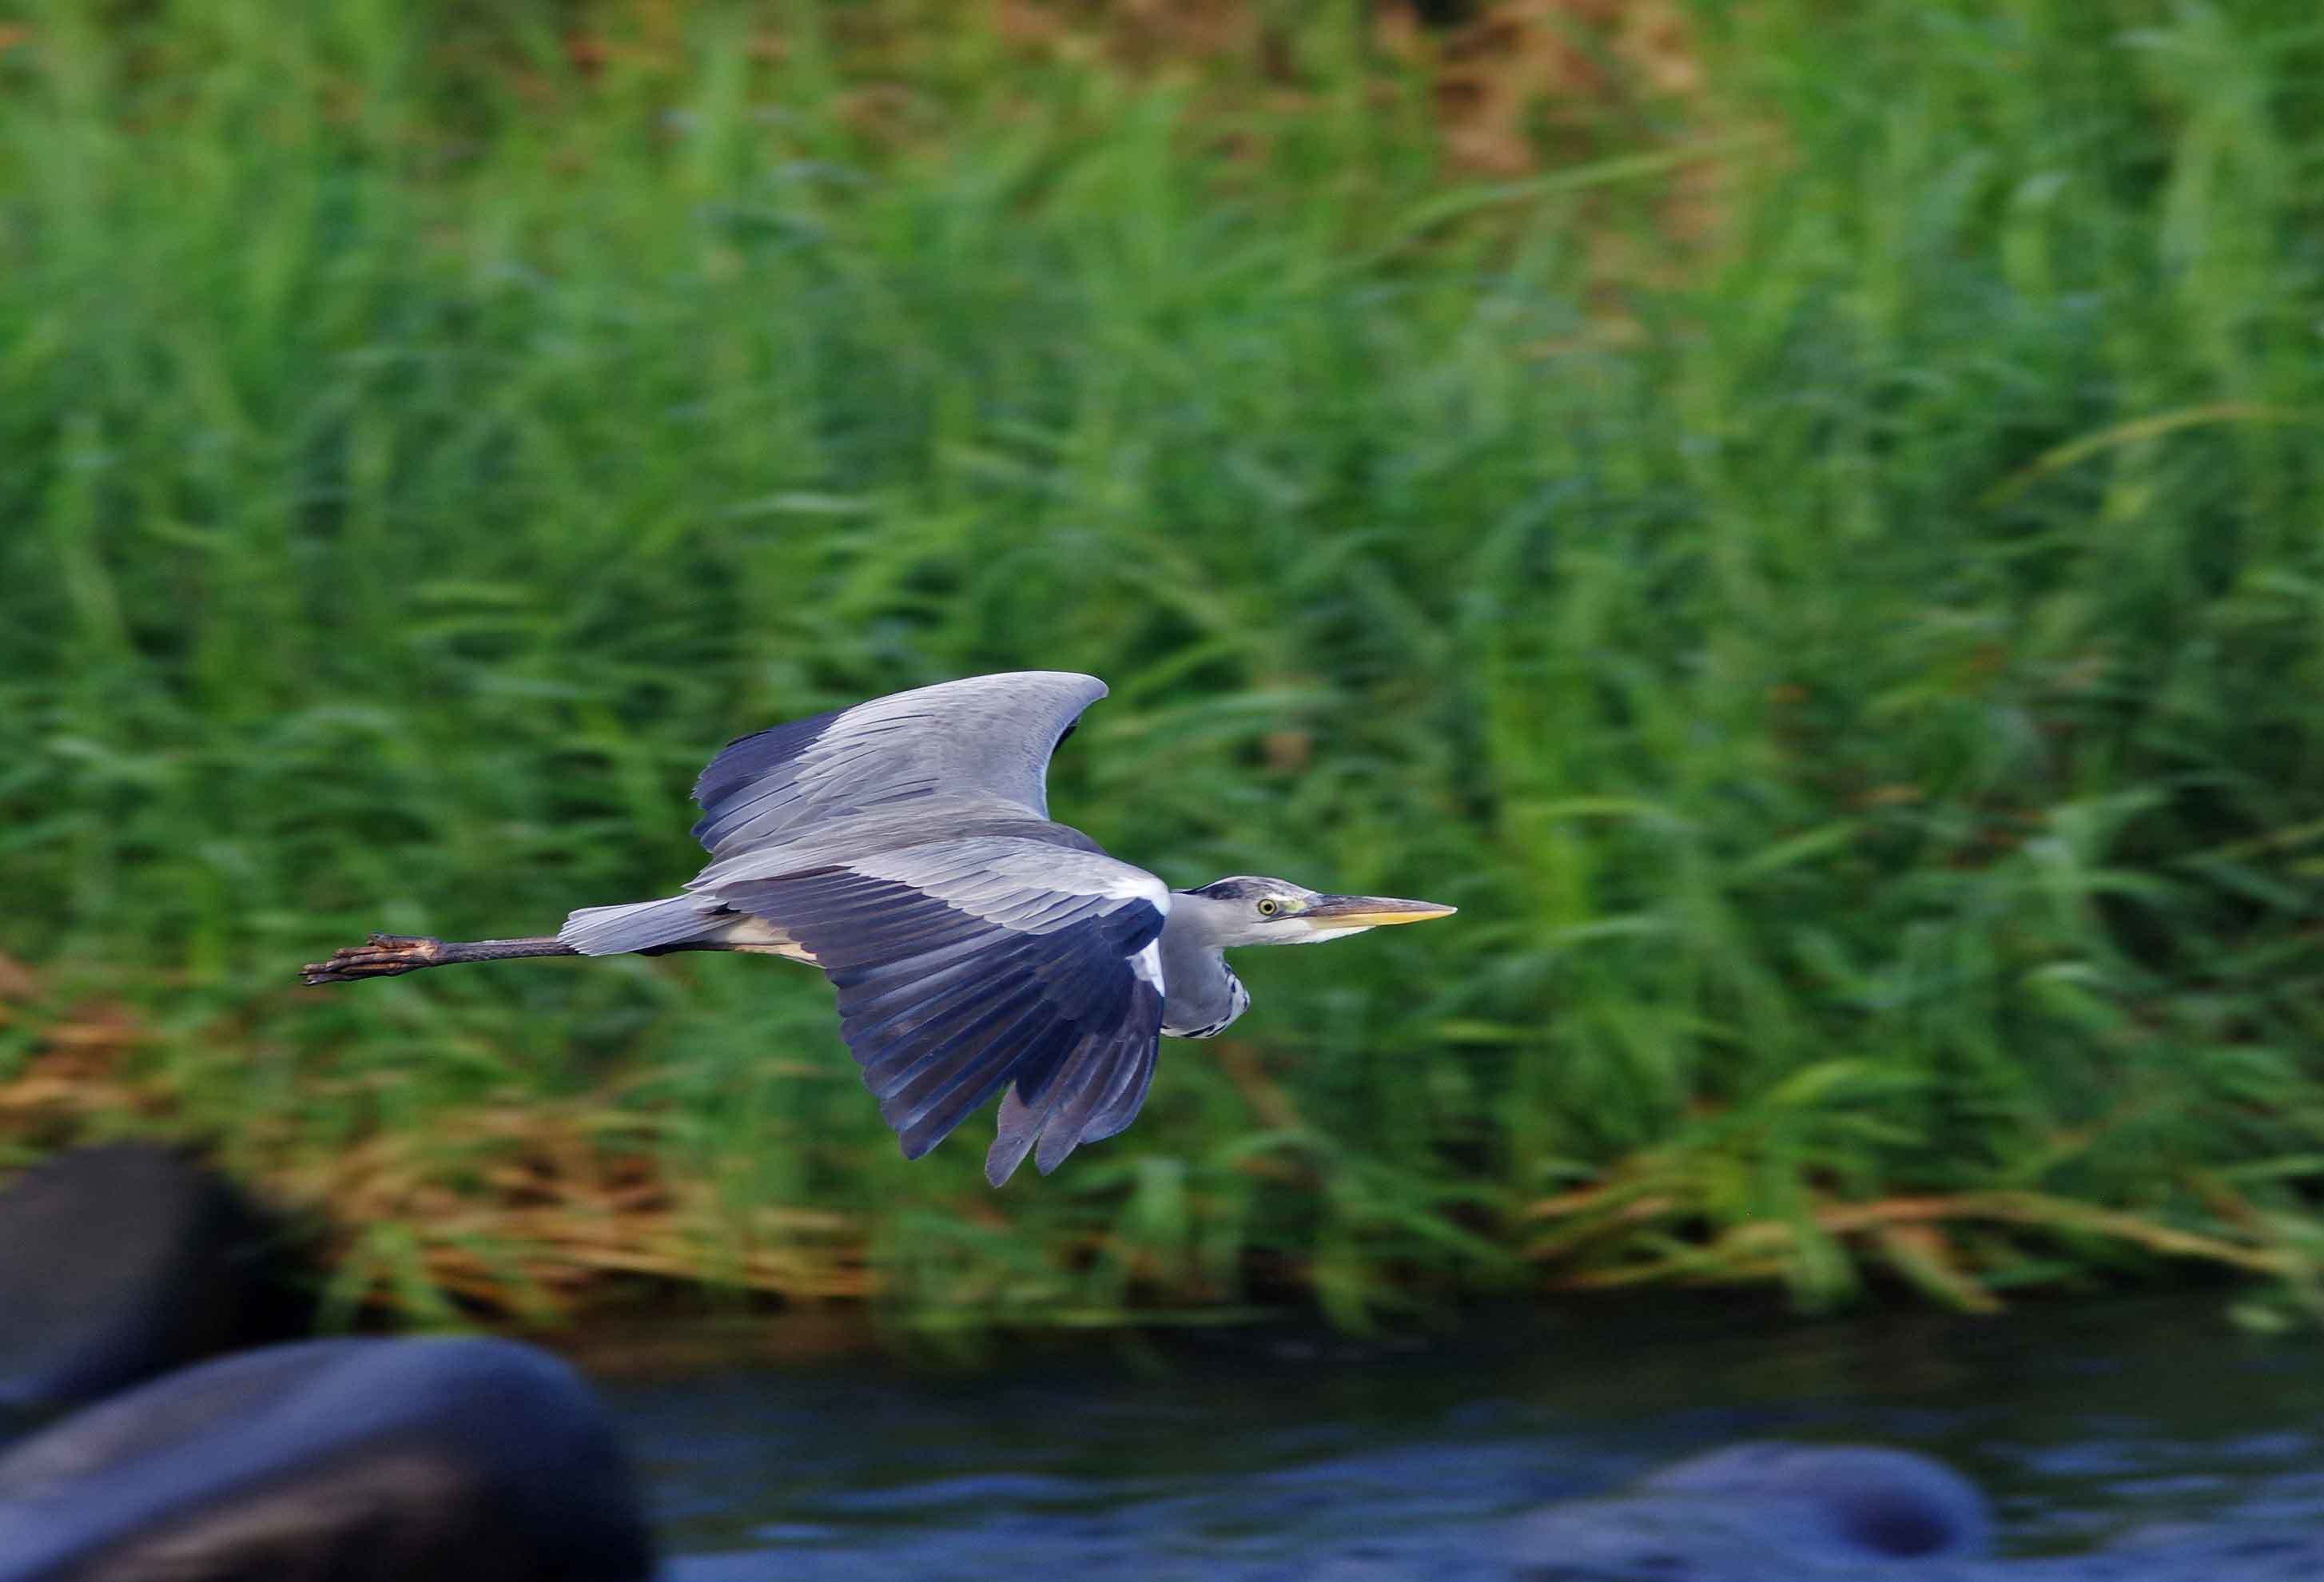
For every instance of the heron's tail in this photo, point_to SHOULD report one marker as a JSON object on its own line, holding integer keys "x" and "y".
{"x": 641, "y": 925}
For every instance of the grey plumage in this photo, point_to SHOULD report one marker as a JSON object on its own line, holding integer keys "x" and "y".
{"x": 904, "y": 847}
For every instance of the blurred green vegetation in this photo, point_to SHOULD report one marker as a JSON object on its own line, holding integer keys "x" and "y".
{"x": 1822, "y": 567}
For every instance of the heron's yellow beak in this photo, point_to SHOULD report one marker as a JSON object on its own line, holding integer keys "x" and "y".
{"x": 1370, "y": 912}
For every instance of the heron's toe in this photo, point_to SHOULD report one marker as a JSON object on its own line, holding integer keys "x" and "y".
{"x": 386, "y": 956}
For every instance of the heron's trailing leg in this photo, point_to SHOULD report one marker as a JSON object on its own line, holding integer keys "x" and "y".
{"x": 390, "y": 955}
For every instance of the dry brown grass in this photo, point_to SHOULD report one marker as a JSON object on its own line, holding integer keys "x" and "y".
{"x": 1593, "y": 1235}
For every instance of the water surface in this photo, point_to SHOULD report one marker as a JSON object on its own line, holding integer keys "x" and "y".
{"x": 2153, "y": 1430}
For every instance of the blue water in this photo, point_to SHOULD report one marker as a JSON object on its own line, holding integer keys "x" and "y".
{"x": 2149, "y": 1441}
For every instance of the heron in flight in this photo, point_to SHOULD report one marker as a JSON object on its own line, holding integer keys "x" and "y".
{"x": 904, "y": 846}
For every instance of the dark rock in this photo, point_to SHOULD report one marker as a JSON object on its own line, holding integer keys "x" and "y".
{"x": 122, "y": 1262}
{"x": 340, "y": 1459}
{"x": 1778, "y": 1511}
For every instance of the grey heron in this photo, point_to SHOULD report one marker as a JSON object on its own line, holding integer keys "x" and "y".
{"x": 904, "y": 846}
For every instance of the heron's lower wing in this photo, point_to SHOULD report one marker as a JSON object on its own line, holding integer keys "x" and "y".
{"x": 963, "y": 966}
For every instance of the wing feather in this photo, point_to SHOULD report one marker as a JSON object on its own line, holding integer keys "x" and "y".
{"x": 983, "y": 742}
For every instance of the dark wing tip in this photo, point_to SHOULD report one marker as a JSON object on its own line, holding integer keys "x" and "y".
{"x": 1096, "y": 1095}
{"x": 1019, "y": 1125}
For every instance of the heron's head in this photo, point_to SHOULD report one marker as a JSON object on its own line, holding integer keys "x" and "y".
{"x": 1248, "y": 911}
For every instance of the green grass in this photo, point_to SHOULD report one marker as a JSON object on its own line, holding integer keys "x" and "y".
{"x": 1861, "y": 671}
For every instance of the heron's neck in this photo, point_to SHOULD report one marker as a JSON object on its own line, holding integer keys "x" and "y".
{"x": 1199, "y": 993}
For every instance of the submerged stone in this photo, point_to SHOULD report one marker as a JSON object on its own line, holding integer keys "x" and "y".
{"x": 1765, "y": 1511}
{"x": 449, "y": 1459}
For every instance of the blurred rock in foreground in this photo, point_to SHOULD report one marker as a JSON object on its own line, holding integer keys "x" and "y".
{"x": 120, "y": 1261}
{"x": 447, "y": 1459}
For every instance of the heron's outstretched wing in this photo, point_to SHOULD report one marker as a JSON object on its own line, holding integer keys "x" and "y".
{"x": 969, "y": 965}
{"x": 982, "y": 743}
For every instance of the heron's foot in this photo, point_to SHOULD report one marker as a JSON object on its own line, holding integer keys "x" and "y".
{"x": 388, "y": 955}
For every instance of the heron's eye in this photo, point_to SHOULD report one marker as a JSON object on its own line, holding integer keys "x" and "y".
{"x": 1269, "y": 907}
